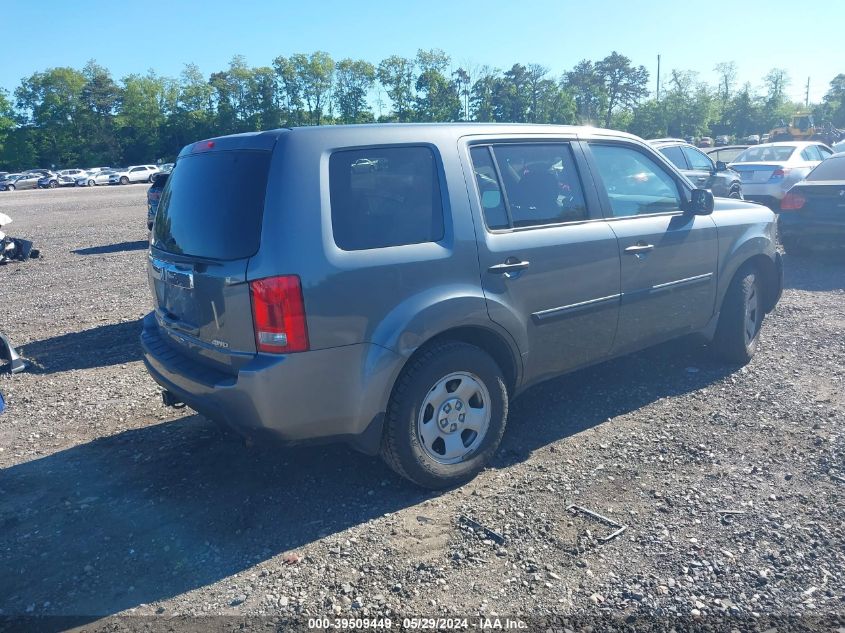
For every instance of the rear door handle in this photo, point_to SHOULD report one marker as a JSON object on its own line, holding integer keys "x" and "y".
{"x": 510, "y": 265}
{"x": 636, "y": 249}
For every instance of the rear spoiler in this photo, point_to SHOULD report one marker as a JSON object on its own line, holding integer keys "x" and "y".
{"x": 248, "y": 141}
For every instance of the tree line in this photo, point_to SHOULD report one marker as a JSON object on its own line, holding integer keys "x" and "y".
{"x": 84, "y": 117}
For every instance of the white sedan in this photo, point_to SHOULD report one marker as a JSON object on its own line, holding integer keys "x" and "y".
{"x": 768, "y": 171}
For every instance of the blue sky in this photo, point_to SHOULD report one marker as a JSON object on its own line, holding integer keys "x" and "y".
{"x": 131, "y": 37}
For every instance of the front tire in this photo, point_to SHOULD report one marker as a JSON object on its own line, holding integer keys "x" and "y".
{"x": 124, "y": 180}
{"x": 741, "y": 318}
{"x": 10, "y": 187}
{"x": 91, "y": 183}
{"x": 446, "y": 416}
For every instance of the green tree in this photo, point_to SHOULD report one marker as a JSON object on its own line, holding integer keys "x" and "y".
{"x": 7, "y": 124}
{"x": 624, "y": 84}
{"x": 314, "y": 74}
{"x": 481, "y": 100}
{"x": 587, "y": 88}
{"x": 353, "y": 81}
{"x": 146, "y": 103}
{"x": 437, "y": 97}
{"x": 51, "y": 101}
{"x": 396, "y": 74}
{"x": 834, "y": 102}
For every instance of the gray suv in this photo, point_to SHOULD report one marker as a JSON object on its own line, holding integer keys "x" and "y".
{"x": 400, "y": 308}
{"x": 700, "y": 168}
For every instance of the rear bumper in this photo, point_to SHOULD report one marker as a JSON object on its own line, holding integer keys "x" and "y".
{"x": 811, "y": 231}
{"x": 336, "y": 394}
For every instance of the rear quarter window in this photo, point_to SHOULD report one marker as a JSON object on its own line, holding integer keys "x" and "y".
{"x": 385, "y": 196}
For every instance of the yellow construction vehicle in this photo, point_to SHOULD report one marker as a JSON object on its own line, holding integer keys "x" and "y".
{"x": 803, "y": 128}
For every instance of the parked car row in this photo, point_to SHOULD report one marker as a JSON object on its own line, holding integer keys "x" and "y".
{"x": 48, "y": 179}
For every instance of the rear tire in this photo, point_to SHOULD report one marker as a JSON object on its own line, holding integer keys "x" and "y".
{"x": 735, "y": 193}
{"x": 741, "y": 318}
{"x": 421, "y": 440}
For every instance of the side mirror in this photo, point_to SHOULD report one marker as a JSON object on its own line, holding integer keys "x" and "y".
{"x": 701, "y": 202}
{"x": 721, "y": 165}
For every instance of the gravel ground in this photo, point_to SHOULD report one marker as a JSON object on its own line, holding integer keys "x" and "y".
{"x": 730, "y": 481}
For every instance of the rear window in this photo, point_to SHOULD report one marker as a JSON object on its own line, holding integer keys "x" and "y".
{"x": 212, "y": 205}
{"x": 771, "y": 153}
{"x": 829, "y": 169}
{"x": 385, "y": 197}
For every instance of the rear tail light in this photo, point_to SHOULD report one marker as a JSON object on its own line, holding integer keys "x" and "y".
{"x": 778, "y": 174}
{"x": 792, "y": 201}
{"x": 278, "y": 315}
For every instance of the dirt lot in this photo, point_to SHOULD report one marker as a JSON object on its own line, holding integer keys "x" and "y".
{"x": 731, "y": 481}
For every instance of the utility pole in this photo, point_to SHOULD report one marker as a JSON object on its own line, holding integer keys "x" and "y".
{"x": 658, "y": 76}
{"x": 807, "y": 95}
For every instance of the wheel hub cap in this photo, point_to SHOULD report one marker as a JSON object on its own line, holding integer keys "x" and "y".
{"x": 454, "y": 418}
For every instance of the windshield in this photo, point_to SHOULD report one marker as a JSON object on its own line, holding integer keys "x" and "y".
{"x": 830, "y": 169}
{"x": 766, "y": 154}
{"x": 212, "y": 205}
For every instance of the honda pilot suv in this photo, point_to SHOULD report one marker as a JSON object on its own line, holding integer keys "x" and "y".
{"x": 400, "y": 309}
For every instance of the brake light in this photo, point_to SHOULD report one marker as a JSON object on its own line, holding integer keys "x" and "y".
{"x": 792, "y": 201}
{"x": 278, "y": 315}
{"x": 202, "y": 146}
{"x": 777, "y": 174}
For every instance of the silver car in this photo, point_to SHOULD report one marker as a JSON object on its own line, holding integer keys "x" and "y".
{"x": 401, "y": 309}
{"x": 768, "y": 171}
{"x": 94, "y": 178}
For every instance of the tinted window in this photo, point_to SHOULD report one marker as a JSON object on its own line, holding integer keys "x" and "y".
{"x": 830, "y": 169}
{"x": 492, "y": 200}
{"x": 385, "y": 197}
{"x": 635, "y": 183}
{"x": 697, "y": 160}
{"x": 825, "y": 152}
{"x": 212, "y": 205}
{"x": 675, "y": 156}
{"x": 541, "y": 183}
{"x": 811, "y": 152}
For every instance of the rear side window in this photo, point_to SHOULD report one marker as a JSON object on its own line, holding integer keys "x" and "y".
{"x": 811, "y": 153}
{"x": 675, "y": 156}
{"x": 697, "y": 160}
{"x": 540, "y": 184}
{"x": 385, "y": 197}
{"x": 212, "y": 205}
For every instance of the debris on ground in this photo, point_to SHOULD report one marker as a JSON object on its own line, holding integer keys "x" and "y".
{"x": 595, "y": 515}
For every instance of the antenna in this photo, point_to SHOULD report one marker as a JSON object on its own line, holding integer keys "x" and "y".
{"x": 807, "y": 95}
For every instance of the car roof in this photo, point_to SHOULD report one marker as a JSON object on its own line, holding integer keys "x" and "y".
{"x": 386, "y": 133}
{"x": 667, "y": 141}
{"x": 710, "y": 150}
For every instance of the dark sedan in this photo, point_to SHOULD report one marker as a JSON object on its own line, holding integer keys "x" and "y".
{"x": 812, "y": 213}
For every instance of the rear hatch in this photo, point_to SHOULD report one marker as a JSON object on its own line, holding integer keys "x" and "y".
{"x": 207, "y": 227}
